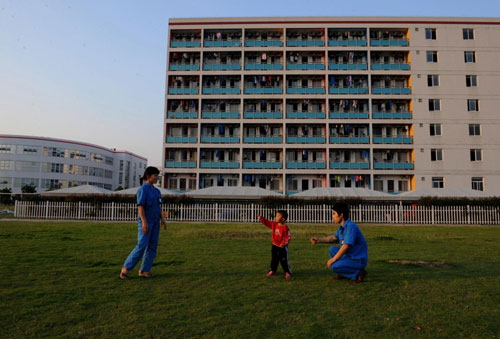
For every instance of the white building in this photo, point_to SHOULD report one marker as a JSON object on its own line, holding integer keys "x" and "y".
{"x": 49, "y": 163}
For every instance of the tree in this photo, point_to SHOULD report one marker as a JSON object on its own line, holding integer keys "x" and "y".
{"x": 28, "y": 188}
{"x": 5, "y": 197}
{"x": 119, "y": 188}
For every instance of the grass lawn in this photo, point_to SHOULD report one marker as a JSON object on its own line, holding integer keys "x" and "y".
{"x": 6, "y": 207}
{"x": 61, "y": 279}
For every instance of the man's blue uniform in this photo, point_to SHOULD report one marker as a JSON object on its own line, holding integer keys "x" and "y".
{"x": 149, "y": 197}
{"x": 356, "y": 257}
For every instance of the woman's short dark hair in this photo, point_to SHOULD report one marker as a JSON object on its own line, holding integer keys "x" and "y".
{"x": 149, "y": 172}
{"x": 341, "y": 208}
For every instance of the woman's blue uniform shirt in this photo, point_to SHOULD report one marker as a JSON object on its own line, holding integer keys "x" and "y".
{"x": 350, "y": 234}
{"x": 149, "y": 197}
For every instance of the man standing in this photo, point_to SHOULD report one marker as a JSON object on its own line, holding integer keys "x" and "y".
{"x": 350, "y": 259}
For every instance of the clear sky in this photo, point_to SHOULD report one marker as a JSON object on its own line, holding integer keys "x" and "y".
{"x": 94, "y": 70}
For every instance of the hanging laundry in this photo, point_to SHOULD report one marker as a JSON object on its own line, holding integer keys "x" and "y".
{"x": 364, "y": 154}
{"x": 332, "y": 81}
{"x": 221, "y": 129}
{"x": 219, "y": 36}
{"x": 264, "y": 56}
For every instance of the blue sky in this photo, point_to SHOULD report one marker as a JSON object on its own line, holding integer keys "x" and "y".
{"x": 94, "y": 71}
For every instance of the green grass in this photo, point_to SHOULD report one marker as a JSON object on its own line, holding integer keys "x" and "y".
{"x": 7, "y": 207}
{"x": 61, "y": 279}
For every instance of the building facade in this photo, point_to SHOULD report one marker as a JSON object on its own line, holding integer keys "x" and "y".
{"x": 48, "y": 163}
{"x": 289, "y": 104}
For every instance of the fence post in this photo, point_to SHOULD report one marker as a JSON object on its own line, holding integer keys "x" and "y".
{"x": 432, "y": 214}
{"x": 79, "y": 210}
{"x": 112, "y": 211}
{"x": 468, "y": 214}
{"x": 216, "y": 211}
{"x": 252, "y": 212}
{"x": 47, "y": 210}
{"x": 15, "y": 208}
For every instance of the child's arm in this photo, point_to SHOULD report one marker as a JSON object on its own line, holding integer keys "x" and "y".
{"x": 266, "y": 222}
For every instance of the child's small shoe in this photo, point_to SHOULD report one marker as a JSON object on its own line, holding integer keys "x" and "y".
{"x": 270, "y": 273}
{"x": 288, "y": 275}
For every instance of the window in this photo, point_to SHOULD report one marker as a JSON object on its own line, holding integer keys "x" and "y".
{"x": 474, "y": 130}
{"x": 172, "y": 184}
{"x": 468, "y": 33}
{"x": 472, "y": 105}
{"x": 476, "y": 155}
{"x": 317, "y": 183}
{"x": 470, "y": 57}
{"x": 11, "y": 149}
{"x": 432, "y": 56}
{"x": 6, "y": 165}
{"x": 232, "y": 182}
{"x": 437, "y": 182}
{"x": 478, "y": 183}
{"x": 432, "y": 80}
{"x": 471, "y": 80}
{"x": 436, "y": 154}
{"x": 54, "y": 152}
{"x": 29, "y": 150}
{"x": 430, "y": 34}
{"x": 27, "y": 166}
{"x": 434, "y": 105}
{"x": 293, "y": 185}
{"x": 435, "y": 129}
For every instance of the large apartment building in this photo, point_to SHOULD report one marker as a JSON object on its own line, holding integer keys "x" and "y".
{"x": 289, "y": 104}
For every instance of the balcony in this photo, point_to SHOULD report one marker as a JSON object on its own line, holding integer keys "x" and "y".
{"x": 305, "y": 115}
{"x": 221, "y": 66}
{"x": 305, "y": 140}
{"x": 185, "y": 43}
{"x": 263, "y": 43}
{"x": 305, "y": 90}
{"x": 305, "y": 66}
{"x": 305, "y": 43}
{"x": 349, "y": 140}
{"x": 393, "y": 165}
{"x": 348, "y": 90}
{"x": 263, "y": 66}
{"x": 349, "y": 115}
{"x": 400, "y": 139}
{"x": 263, "y": 140}
{"x": 263, "y": 115}
{"x": 392, "y": 115}
{"x": 221, "y": 90}
{"x": 305, "y": 165}
{"x": 182, "y": 115}
{"x": 220, "y": 139}
{"x": 388, "y": 42}
{"x": 180, "y": 164}
{"x": 391, "y": 90}
{"x": 263, "y": 90}
{"x": 222, "y": 43}
{"x": 181, "y": 139}
{"x": 388, "y": 67}
{"x": 262, "y": 165}
{"x": 184, "y": 67}
{"x": 219, "y": 164}
{"x": 220, "y": 115}
{"x": 353, "y": 66}
{"x": 346, "y": 43}
{"x": 349, "y": 165}
{"x": 182, "y": 90}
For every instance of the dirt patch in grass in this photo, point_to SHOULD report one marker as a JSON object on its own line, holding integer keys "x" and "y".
{"x": 434, "y": 264}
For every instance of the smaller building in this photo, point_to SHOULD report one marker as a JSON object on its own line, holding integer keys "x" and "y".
{"x": 49, "y": 163}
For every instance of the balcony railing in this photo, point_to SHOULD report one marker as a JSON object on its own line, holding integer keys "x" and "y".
{"x": 348, "y": 90}
{"x": 219, "y": 164}
{"x": 350, "y": 140}
{"x": 305, "y": 165}
{"x": 393, "y": 165}
{"x": 305, "y": 43}
{"x": 182, "y": 90}
{"x": 222, "y": 67}
{"x": 353, "y": 66}
{"x": 182, "y": 115}
{"x": 263, "y": 115}
{"x": 350, "y": 42}
{"x": 349, "y": 115}
{"x": 180, "y": 164}
{"x": 391, "y": 90}
{"x": 194, "y": 43}
{"x": 222, "y": 43}
{"x": 263, "y": 90}
{"x": 349, "y": 165}
{"x": 220, "y": 115}
{"x": 392, "y": 115}
{"x": 308, "y": 66}
{"x": 305, "y": 115}
{"x": 305, "y": 90}
{"x": 220, "y": 139}
{"x": 388, "y": 67}
{"x": 221, "y": 90}
{"x": 262, "y": 165}
{"x": 181, "y": 139}
{"x": 305, "y": 140}
{"x": 400, "y": 139}
{"x": 256, "y": 66}
{"x": 184, "y": 67}
{"x": 263, "y": 43}
{"x": 389, "y": 42}
{"x": 263, "y": 140}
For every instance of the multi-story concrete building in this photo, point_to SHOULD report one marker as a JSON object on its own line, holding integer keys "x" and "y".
{"x": 48, "y": 163}
{"x": 289, "y": 104}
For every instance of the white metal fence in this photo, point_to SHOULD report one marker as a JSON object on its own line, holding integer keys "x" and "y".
{"x": 246, "y": 212}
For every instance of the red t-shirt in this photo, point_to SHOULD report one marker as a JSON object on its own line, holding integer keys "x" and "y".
{"x": 281, "y": 233}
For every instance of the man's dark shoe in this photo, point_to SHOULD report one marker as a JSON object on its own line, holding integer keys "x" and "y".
{"x": 361, "y": 277}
